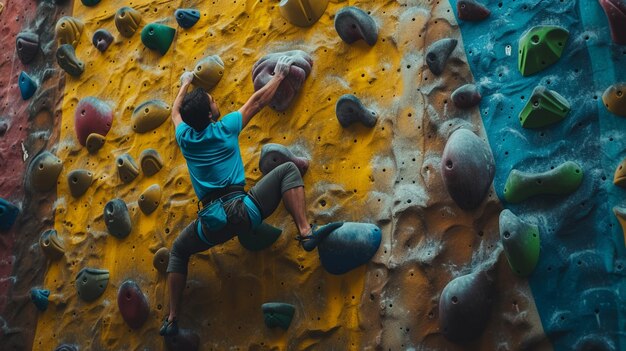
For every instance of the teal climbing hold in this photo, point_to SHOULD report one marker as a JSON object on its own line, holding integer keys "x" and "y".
{"x": 521, "y": 243}
{"x": 90, "y": 2}
{"x": 349, "y": 246}
{"x": 540, "y": 47}
{"x": 40, "y": 298}
{"x": 27, "y": 85}
{"x": 545, "y": 107}
{"x": 8, "y": 214}
{"x": 278, "y": 314}
{"x": 562, "y": 180}
{"x": 158, "y": 37}
{"x": 260, "y": 238}
{"x": 186, "y": 18}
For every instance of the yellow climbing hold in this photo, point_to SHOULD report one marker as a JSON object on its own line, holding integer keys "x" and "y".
{"x": 302, "y": 13}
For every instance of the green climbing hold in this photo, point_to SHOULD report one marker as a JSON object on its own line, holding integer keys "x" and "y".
{"x": 544, "y": 107}
{"x": 562, "y": 180}
{"x": 540, "y": 47}
{"x": 520, "y": 241}
{"x": 158, "y": 37}
{"x": 278, "y": 314}
{"x": 260, "y": 238}
{"x": 91, "y": 283}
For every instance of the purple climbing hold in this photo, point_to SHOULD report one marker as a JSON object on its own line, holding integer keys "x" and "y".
{"x": 468, "y": 168}
{"x": 349, "y": 110}
{"x": 354, "y": 24}
{"x": 263, "y": 71}
{"x": 274, "y": 155}
{"x": 132, "y": 304}
{"x": 27, "y": 46}
{"x": 465, "y": 306}
{"x": 466, "y": 96}
{"x": 186, "y": 340}
{"x": 616, "y": 13}
{"x": 101, "y": 39}
{"x": 349, "y": 246}
{"x": 92, "y": 116}
{"x": 438, "y": 54}
{"x": 471, "y": 10}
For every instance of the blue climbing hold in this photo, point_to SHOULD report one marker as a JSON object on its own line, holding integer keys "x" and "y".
{"x": 349, "y": 246}
{"x": 40, "y": 298}
{"x": 186, "y": 18}
{"x": 8, "y": 214}
{"x": 27, "y": 86}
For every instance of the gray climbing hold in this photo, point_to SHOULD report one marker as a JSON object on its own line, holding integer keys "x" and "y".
{"x": 466, "y": 96}
{"x": 161, "y": 259}
{"x": 44, "y": 171}
{"x": 274, "y": 155}
{"x": 349, "y": 110}
{"x": 438, "y": 53}
{"x": 66, "y": 58}
{"x": 127, "y": 168}
{"x": 117, "y": 218}
{"x": 149, "y": 199}
{"x": 354, "y": 24}
{"x": 94, "y": 142}
{"x": 27, "y": 46}
{"x": 51, "y": 244}
{"x": 151, "y": 162}
{"x": 79, "y": 181}
{"x": 91, "y": 283}
{"x": 278, "y": 314}
{"x": 102, "y": 39}
{"x": 149, "y": 115}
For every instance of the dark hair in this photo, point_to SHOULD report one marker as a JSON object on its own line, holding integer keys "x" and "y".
{"x": 196, "y": 109}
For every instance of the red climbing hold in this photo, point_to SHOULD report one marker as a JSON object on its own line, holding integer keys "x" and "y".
{"x": 132, "y": 304}
{"x": 92, "y": 116}
{"x": 616, "y": 13}
{"x": 471, "y": 10}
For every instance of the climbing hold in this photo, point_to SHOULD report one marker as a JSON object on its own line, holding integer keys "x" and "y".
{"x": 94, "y": 142}
{"x": 127, "y": 21}
{"x": 27, "y": 86}
{"x": 117, "y": 218}
{"x": 1, "y": 7}
{"x": 66, "y": 58}
{"x": 274, "y": 155}
{"x": 90, "y": 2}
{"x": 540, "y": 47}
{"x": 349, "y": 246}
{"x": 40, "y": 298}
{"x": 619, "y": 178}
{"x": 465, "y": 306}
{"x": 161, "y": 260}
{"x": 44, "y": 171}
{"x": 51, "y": 244}
{"x": 66, "y": 347}
{"x": 27, "y": 45}
{"x": 278, "y": 314}
{"x": 562, "y": 180}
{"x": 438, "y": 53}
{"x": 354, "y": 24}
{"x": 620, "y": 214}
{"x": 68, "y": 30}
{"x": 349, "y": 110}
{"x": 157, "y": 37}
{"x": 471, "y": 10}
{"x": 92, "y": 116}
{"x": 132, "y": 304}
{"x": 520, "y": 241}
{"x": 545, "y": 107}
{"x": 91, "y": 283}
{"x": 466, "y": 96}
{"x": 263, "y": 71}
{"x": 149, "y": 199}
{"x": 208, "y": 72}
{"x": 260, "y": 238}
{"x": 615, "y": 11}
{"x": 79, "y": 181}
{"x": 151, "y": 162}
{"x": 8, "y": 214}
{"x": 186, "y": 340}
{"x": 186, "y": 18}
{"x": 127, "y": 168}
{"x": 302, "y": 13}
{"x": 101, "y": 39}
{"x": 149, "y": 115}
{"x": 468, "y": 168}
{"x": 614, "y": 99}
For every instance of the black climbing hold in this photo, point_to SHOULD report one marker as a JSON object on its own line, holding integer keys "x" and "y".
{"x": 40, "y": 298}
{"x": 471, "y": 10}
{"x": 8, "y": 214}
{"x": 127, "y": 168}
{"x": 466, "y": 96}
{"x": 91, "y": 283}
{"x": 438, "y": 54}
{"x": 260, "y": 238}
{"x": 66, "y": 58}
{"x": 51, "y": 244}
{"x": 101, "y": 39}
{"x": 117, "y": 218}
{"x": 186, "y": 18}
{"x": 94, "y": 142}
{"x": 27, "y": 85}
{"x": 79, "y": 181}
{"x": 278, "y": 314}
{"x": 127, "y": 21}
{"x": 44, "y": 170}
{"x": 151, "y": 162}
{"x": 349, "y": 109}
{"x": 349, "y": 246}
{"x": 186, "y": 340}
{"x": 465, "y": 307}
{"x": 27, "y": 46}
{"x": 274, "y": 155}
{"x": 354, "y": 24}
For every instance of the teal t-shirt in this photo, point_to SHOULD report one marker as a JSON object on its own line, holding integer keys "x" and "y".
{"x": 214, "y": 159}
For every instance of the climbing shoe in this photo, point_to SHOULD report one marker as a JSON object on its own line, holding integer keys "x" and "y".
{"x": 169, "y": 328}
{"x": 317, "y": 235}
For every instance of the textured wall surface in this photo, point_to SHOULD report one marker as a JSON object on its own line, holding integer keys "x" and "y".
{"x": 389, "y": 175}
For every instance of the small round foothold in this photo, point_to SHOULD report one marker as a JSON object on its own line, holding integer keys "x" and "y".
{"x": 91, "y": 283}
{"x": 186, "y": 18}
{"x": 66, "y": 58}
{"x": 51, "y": 244}
{"x": 44, "y": 170}
{"x": 27, "y": 86}
{"x": 127, "y": 21}
{"x": 353, "y": 24}
{"x": 149, "y": 199}
{"x": 349, "y": 110}
{"x": 161, "y": 260}
{"x": 27, "y": 46}
{"x": 158, "y": 37}
{"x": 302, "y": 13}
{"x": 79, "y": 181}
{"x": 438, "y": 54}
{"x": 149, "y": 115}
{"x": 102, "y": 39}
{"x": 278, "y": 314}
{"x": 117, "y": 218}
{"x": 127, "y": 168}
{"x": 68, "y": 30}
{"x": 151, "y": 162}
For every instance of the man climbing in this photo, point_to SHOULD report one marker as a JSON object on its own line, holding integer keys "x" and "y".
{"x": 211, "y": 149}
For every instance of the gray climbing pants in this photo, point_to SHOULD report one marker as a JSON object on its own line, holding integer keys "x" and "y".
{"x": 267, "y": 194}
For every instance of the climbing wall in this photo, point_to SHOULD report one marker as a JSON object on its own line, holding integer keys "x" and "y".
{"x": 477, "y": 184}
